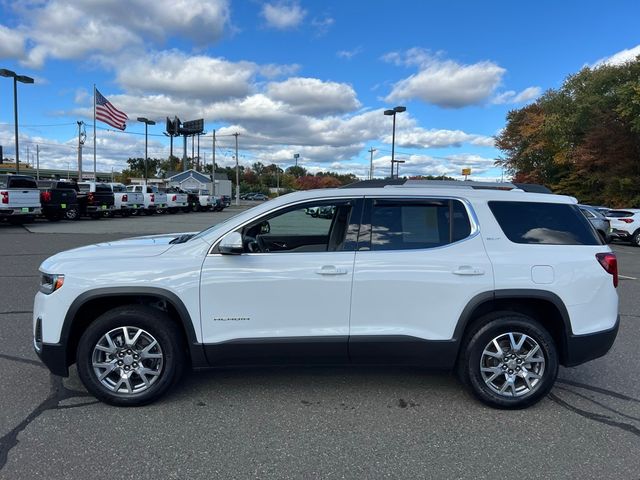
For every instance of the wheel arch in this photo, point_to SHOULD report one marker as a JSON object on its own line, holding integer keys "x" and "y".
{"x": 90, "y": 305}
{"x": 545, "y": 306}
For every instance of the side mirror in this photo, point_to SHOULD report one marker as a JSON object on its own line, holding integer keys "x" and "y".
{"x": 231, "y": 244}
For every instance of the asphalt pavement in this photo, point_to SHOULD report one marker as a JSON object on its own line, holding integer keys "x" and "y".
{"x": 301, "y": 423}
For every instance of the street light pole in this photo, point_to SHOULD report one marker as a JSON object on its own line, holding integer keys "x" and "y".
{"x": 146, "y": 122}
{"x": 398, "y": 109}
{"x": 237, "y": 172}
{"x": 22, "y": 79}
{"x": 371, "y": 150}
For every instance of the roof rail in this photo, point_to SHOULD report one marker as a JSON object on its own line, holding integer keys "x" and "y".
{"x": 403, "y": 183}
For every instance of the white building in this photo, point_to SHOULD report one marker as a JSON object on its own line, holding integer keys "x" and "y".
{"x": 193, "y": 180}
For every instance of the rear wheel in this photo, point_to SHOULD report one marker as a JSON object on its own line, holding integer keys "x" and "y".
{"x": 72, "y": 214}
{"x": 509, "y": 360}
{"x": 635, "y": 239}
{"x": 130, "y": 356}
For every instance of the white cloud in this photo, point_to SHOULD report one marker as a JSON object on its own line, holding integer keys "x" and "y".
{"x": 349, "y": 54}
{"x": 314, "y": 97}
{"x": 445, "y": 83}
{"x": 194, "y": 76}
{"x": 510, "y": 96}
{"x": 439, "y": 138}
{"x": 283, "y": 15}
{"x": 11, "y": 43}
{"x": 72, "y": 29}
{"x": 322, "y": 24}
{"x": 623, "y": 56}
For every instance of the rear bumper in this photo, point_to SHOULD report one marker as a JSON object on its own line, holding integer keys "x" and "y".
{"x": 14, "y": 212}
{"x": 583, "y": 348}
{"x": 54, "y": 356}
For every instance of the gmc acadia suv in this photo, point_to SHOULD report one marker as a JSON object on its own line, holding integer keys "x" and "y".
{"x": 500, "y": 285}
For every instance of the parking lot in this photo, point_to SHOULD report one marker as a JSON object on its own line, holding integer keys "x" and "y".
{"x": 338, "y": 422}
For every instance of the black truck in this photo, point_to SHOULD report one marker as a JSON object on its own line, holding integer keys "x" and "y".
{"x": 58, "y": 199}
{"x": 95, "y": 199}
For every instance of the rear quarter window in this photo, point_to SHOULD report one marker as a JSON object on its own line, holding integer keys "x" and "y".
{"x": 544, "y": 223}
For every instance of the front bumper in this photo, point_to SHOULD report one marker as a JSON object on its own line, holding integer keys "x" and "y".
{"x": 54, "y": 356}
{"x": 583, "y": 348}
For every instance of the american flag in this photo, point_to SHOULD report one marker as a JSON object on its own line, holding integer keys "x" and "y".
{"x": 107, "y": 113}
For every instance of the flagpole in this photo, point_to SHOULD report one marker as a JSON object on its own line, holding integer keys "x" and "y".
{"x": 95, "y": 176}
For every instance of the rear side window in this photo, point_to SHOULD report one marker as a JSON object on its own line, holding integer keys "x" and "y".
{"x": 45, "y": 184}
{"x": 406, "y": 224}
{"x": 544, "y": 223}
{"x": 22, "y": 182}
{"x": 84, "y": 187}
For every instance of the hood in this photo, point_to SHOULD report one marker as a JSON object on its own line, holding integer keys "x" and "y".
{"x": 147, "y": 246}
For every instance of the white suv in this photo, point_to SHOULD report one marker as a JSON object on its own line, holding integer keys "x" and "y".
{"x": 501, "y": 285}
{"x": 625, "y": 224}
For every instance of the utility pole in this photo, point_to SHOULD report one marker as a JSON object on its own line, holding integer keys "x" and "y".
{"x": 80, "y": 142}
{"x": 37, "y": 162}
{"x": 198, "y": 153}
{"x": 193, "y": 153}
{"x": 237, "y": 172}
{"x": 184, "y": 154}
{"x": 213, "y": 167}
{"x": 371, "y": 150}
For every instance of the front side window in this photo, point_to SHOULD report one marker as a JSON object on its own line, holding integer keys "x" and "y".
{"x": 406, "y": 224}
{"x": 311, "y": 227}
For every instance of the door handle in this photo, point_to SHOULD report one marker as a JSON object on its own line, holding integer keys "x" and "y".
{"x": 331, "y": 270}
{"x": 468, "y": 270}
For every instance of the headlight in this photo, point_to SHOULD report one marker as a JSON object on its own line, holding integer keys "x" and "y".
{"x": 49, "y": 283}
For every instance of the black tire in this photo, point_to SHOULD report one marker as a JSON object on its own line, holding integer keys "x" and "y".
{"x": 493, "y": 326}
{"x": 156, "y": 322}
{"x": 72, "y": 214}
{"x": 635, "y": 239}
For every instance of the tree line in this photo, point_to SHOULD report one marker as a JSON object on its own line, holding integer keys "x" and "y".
{"x": 582, "y": 139}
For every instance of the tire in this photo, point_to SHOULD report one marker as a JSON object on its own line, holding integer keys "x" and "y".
{"x": 160, "y": 211}
{"x": 72, "y": 214}
{"x": 161, "y": 372}
{"x": 635, "y": 239}
{"x": 487, "y": 385}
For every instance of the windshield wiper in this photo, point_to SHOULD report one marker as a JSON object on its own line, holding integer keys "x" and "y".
{"x": 182, "y": 238}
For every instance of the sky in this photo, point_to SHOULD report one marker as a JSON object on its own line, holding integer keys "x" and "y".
{"x": 297, "y": 77}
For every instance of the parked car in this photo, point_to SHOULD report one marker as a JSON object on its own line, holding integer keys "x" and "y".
{"x": 98, "y": 201}
{"x": 226, "y": 201}
{"x": 598, "y": 220}
{"x": 259, "y": 197}
{"x": 206, "y": 201}
{"x": 176, "y": 200}
{"x": 193, "y": 200}
{"x": 625, "y": 225}
{"x": 498, "y": 284}
{"x": 19, "y": 198}
{"x": 58, "y": 199}
{"x": 154, "y": 200}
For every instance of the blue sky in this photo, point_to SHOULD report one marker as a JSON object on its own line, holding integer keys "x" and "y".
{"x": 307, "y": 77}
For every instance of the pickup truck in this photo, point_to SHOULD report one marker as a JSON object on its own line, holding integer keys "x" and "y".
{"x": 176, "y": 200}
{"x": 154, "y": 200}
{"x": 59, "y": 200}
{"x": 206, "y": 201}
{"x": 99, "y": 199}
{"x": 19, "y": 198}
{"x": 126, "y": 203}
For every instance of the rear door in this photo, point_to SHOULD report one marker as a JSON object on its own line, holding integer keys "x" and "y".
{"x": 418, "y": 263}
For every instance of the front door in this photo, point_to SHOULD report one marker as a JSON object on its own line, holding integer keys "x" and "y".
{"x": 286, "y": 298}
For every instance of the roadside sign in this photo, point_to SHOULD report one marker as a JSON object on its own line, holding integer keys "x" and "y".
{"x": 466, "y": 171}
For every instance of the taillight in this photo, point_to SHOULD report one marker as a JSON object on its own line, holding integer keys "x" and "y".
{"x": 45, "y": 196}
{"x": 610, "y": 263}
{"x": 152, "y": 197}
{"x": 174, "y": 198}
{"x": 627, "y": 220}
{"x": 5, "y": 197}
{"x": 90, "y": 197}
{"x": 125, "y": 198}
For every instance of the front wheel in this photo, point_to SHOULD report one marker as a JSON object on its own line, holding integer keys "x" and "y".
{"x": 130, "y": 356}
{"x": 509, "y": 361}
